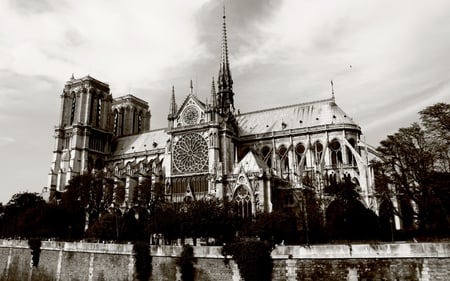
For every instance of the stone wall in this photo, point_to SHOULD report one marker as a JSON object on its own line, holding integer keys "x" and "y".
{"x": 115, "y": 262}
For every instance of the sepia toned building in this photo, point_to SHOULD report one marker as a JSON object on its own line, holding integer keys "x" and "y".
{"x": 258, "y": 159}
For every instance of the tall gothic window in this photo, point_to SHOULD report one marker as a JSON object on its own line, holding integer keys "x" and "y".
{"x": 299, "y": 151}
{"x": 336, "y": 154}
{"x": 133, "y": 128}
{"x": 350, "y": 158}
{"x": 116, "y": 121}
{"x": 140, "y": 122}
{"x": 284, "y": 158}
{"x": 92, "y": 113}
{"x": 267, "y": 155}
{"x": 122, "y": 120}
{"x": 243, "y": 202}
{"x": 74, "y": 102}
{"x": 318, "y": 147}
{"x": 99, "y": 112}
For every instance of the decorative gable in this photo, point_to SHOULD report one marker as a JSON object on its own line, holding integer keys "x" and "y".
{"x": 191, "y": 112}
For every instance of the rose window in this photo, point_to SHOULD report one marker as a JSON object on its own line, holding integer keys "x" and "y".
{"x": 191, "y": 154}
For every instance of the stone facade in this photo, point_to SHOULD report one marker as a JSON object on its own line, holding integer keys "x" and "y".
{"x": 208, "y": 147}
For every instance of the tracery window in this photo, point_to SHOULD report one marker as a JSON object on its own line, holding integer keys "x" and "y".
{"x": 243, "y": 202}
{"x": 336, "y": 154}
{"x": 284, "y": 158}
{"x": 191, "y": 154}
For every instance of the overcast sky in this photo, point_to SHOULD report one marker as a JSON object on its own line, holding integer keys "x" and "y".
{"x": 388, "y": 60}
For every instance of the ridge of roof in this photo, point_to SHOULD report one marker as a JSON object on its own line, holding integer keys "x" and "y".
{"x": 287, "y": 106}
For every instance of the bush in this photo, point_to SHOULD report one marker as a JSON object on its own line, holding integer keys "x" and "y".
{"x": 253, "y": 259}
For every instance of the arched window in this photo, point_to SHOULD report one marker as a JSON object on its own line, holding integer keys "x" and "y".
{"x": 336, "y": 154}
{"x": 99, "y": 112}
{"x": 122, "y": 120}
{"x": 140, "y": 122}
{"x": 284, "y": 158}
{"x": 350, "y": 158}
{"x": 116, "y": 121}
{"x": 243, "y": 202}
{"x": 74, "y": 102}
{"x": 267, "y": 155}
{"x": 299, "y": 151}
{"x": 318, "y": 149}
{"x": 134, "y": 125}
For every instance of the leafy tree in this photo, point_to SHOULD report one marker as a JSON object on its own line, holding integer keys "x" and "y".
{"x": 414, "y": 164}
{"x": 346, "y": 217}
{"x": 19, "y": 212}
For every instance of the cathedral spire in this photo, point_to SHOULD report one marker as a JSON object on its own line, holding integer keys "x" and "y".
{"x": 225, "y": 82}
{"x": 213, "y": 94}
{"x": 173, "y": 104}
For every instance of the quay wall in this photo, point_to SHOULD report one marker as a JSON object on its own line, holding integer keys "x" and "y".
{"x": 116, "y": 262}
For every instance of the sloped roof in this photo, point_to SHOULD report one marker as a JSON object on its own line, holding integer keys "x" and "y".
{"x": 250, "y": 164}
{"x": 153, "y": 140}
{"x": 317, "y": 113}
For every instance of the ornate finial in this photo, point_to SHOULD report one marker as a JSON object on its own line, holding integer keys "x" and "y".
{"x": 72, "y": 77}
{"x": 332, "y": 89}
{"x": 191, "y": 87}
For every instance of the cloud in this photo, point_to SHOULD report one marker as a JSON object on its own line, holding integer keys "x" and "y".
{"x": 32, "y": 7}
{"x": 4, "y": 141}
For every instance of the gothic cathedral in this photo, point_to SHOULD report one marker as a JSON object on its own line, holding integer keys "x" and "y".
{"x": 258, "y": 159}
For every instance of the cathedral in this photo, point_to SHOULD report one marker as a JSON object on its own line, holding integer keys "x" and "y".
{"x": 208, "y": 148}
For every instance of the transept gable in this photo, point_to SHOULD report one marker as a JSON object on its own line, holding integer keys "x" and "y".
{"x": 191, "y": 112}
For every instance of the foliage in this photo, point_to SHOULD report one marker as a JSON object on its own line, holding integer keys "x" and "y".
{"x": 186, "y": 263}
{"x": 346, "y": 217}
{"x": 143, "y": 260}
{"x": 35, "y": 246}
{"x": 253, "y": 259}
{"x": 414, "y": 166}
{"x": 280, "y": 226}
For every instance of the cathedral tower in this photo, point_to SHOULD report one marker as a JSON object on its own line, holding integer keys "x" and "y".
{"x": 83, "y": 135}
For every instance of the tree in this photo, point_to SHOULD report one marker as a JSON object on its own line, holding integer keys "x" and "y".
{"x": 20, "y": 213}
{"x": 415, "y": 166}
{"x": 347, "y": 217}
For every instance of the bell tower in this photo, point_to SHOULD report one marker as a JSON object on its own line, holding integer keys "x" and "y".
{"x": 83, "y": 135}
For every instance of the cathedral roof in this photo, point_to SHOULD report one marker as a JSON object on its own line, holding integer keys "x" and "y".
{"x": 152, "y": 141}
{"x": 294, "y": 117}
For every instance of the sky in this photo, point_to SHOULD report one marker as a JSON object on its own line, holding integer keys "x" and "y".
{"x": 387, "y": 59}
